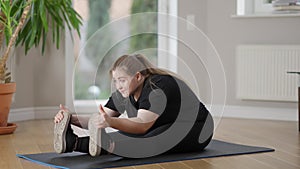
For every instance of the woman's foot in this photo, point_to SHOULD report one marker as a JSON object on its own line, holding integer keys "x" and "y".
{"x": 60, "y": 131}
{"x": 95, "y": 137}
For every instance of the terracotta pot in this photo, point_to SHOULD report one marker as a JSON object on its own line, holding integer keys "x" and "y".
{"x": 6, "y": 92}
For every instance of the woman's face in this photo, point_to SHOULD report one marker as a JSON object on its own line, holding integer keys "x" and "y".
{"x": 124, "y": 83}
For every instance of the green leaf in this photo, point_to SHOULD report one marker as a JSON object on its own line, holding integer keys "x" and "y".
{"x": 57, "y": 36}
{"x": 7, "y": 80}
{"x": 44, "y": 41}
{"x": 59, "y": 13}
{"x": 43, "y": 15}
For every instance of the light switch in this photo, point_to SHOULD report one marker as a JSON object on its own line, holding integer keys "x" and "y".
{"x": 190, "y": 26}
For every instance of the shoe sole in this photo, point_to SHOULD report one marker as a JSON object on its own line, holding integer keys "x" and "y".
{"x": 60, "y": 130}
{"x": 95, "y": 137}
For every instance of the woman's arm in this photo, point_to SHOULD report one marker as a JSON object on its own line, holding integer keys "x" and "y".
{"x": 80, "y": 120}
{"x": 131, "y": 125}
{"x": 111, "y": 112}
{"x": 83, "y": 120}
{"x": 136, "y": 125}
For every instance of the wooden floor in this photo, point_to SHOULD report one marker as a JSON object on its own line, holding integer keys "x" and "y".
{"x": 36, "y": 136}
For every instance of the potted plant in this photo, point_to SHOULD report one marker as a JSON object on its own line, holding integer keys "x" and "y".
{"x": 27, "y": 23}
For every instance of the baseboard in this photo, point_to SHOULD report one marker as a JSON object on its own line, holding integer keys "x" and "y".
{"x": 32, "y": 113}
{"x": 244, "y": 112}
{"x": 263, "y": 113}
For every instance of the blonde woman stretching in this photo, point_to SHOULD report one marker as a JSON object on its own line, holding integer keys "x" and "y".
{"x": 164, "y": 116}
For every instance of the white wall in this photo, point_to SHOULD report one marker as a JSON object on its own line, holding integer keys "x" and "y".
{"x": 41, "y": 79}
{"x": 225, "y": 32}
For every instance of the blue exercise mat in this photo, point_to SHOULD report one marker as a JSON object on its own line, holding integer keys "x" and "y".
{"x": 77, "y": 160}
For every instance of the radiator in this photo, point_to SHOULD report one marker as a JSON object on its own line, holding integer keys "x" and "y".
{"x": 262, "y": 72}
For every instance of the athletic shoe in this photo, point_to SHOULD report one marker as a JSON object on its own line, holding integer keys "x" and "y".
{"x": 95, "y": 137}
{"x": 60, "y": 130}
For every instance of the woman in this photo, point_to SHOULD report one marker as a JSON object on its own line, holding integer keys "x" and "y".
{"x": 164, "y": 116}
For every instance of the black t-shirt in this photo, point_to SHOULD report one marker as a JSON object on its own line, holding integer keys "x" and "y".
{"x": 164, "y": 95}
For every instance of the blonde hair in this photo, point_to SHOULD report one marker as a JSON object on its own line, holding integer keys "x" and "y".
{"x": 132, "y": 64}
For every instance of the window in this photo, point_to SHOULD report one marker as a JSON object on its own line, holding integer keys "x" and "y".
{"x": 245, "y": 7}
{"x": 263, "y": 6}
{"x": 96, "y": 15}
{"x": 269, "y": 7}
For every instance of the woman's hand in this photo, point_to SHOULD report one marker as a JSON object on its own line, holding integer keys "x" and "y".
{"x": 102, "y": 119}
{"x": 59, "y": 116}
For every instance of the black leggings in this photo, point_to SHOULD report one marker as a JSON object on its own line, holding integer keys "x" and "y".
{"x": 191, "y": 142}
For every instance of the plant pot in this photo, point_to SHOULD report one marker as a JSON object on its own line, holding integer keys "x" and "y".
{"x": 6, "y": 92}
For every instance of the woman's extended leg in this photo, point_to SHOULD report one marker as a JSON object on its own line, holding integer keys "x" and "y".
{"x": 123, "y": 143}
{"x": 198, "y": 138}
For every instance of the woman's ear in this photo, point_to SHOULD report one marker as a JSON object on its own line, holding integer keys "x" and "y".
{"x": 139, "y": 76}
